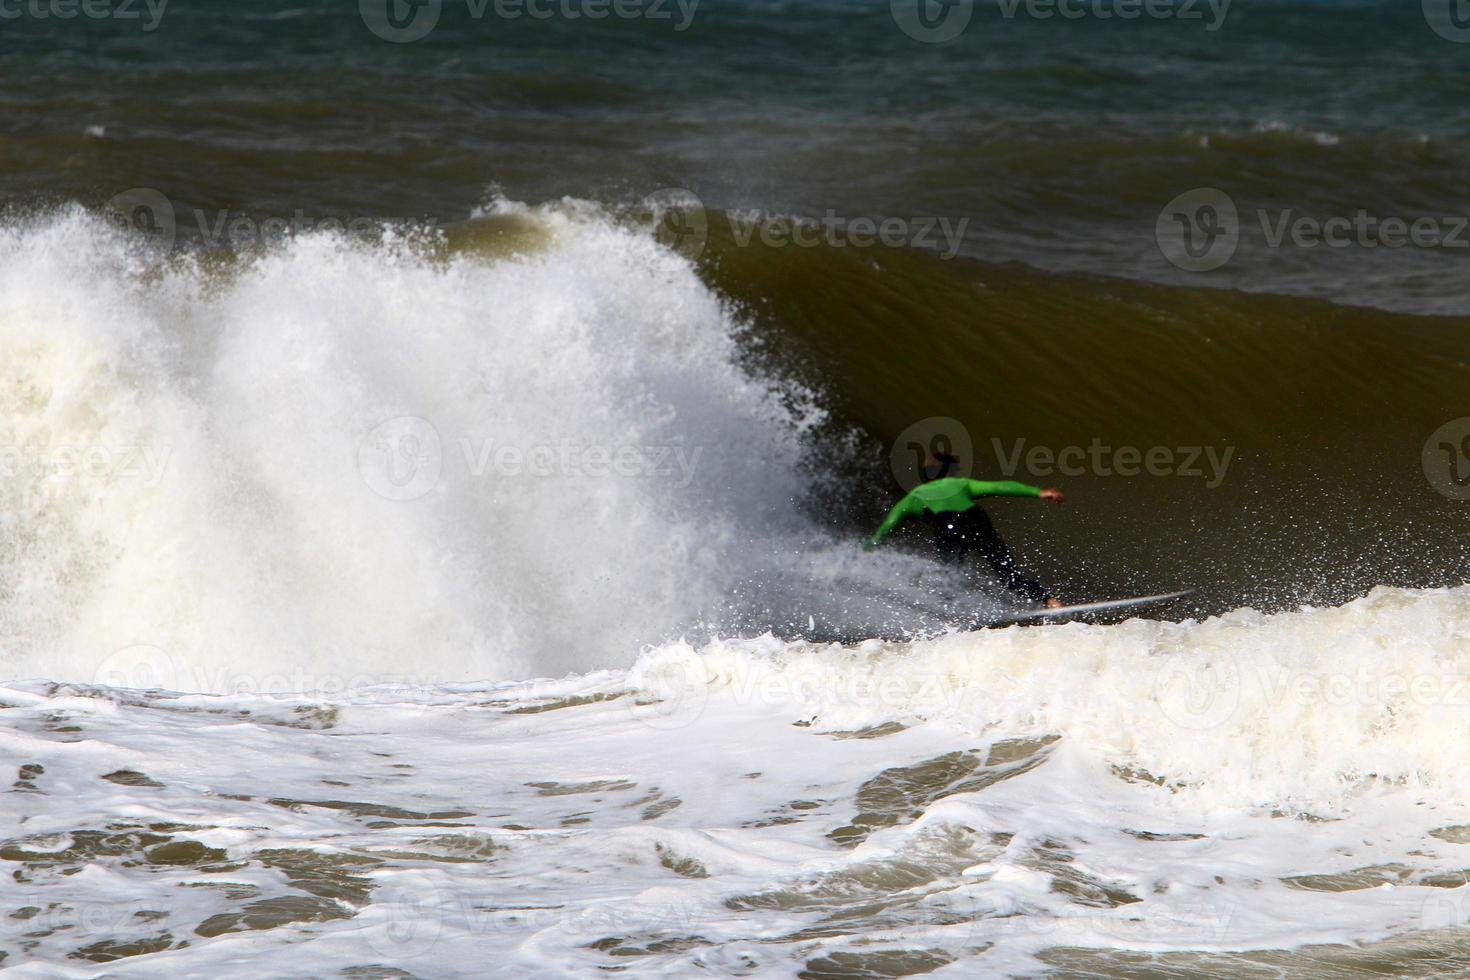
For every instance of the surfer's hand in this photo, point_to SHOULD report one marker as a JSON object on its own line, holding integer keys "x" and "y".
{"x": 1053, "y": 603}
{"x": 1054, "y": 495}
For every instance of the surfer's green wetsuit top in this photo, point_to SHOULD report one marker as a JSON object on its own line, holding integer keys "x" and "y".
{"x": 951, "y": 495}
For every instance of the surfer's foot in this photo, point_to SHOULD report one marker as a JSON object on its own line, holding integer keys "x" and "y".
{"x": 1053, "y": 603}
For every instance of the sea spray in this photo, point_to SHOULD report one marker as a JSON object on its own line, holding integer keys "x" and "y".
{"x": 294, "y": 404}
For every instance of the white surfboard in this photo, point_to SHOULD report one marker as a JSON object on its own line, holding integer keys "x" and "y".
{"x": 1082, "y": 609}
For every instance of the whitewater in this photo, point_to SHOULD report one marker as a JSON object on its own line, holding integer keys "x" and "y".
{"x": 388, "y": 465}
{"x": 375, "y": 608}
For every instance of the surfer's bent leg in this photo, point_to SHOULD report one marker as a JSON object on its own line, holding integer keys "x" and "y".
{"x": 982, "y": 536}
{"x": 949, "y": 538}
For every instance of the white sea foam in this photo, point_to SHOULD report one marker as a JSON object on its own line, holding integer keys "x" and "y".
{"x": 1302, "y": 711}
{"x": 342, "y": 462}
{"x": 737, "y": 808}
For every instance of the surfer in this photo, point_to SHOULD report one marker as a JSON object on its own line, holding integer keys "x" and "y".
{"x": 949, "y": 503}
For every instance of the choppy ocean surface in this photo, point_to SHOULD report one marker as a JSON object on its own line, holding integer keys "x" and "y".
{"x": 433, "y": 472}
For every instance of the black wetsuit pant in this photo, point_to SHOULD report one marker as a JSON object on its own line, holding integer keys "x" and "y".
{"x": 955, "y": 535}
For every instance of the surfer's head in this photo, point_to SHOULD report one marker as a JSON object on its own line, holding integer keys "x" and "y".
{"x": 937, "y": 466}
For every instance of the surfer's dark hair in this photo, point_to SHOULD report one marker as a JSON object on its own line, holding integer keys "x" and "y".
{"x": 938, "y": 466}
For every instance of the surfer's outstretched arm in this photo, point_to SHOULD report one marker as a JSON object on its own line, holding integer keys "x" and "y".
{"x": 1002, "y": 488}
{"x": 907, "y": 507}
{"x": 1010, "y": 488}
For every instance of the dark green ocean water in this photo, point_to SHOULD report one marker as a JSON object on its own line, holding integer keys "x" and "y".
{"x": 1058, "y": 139}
